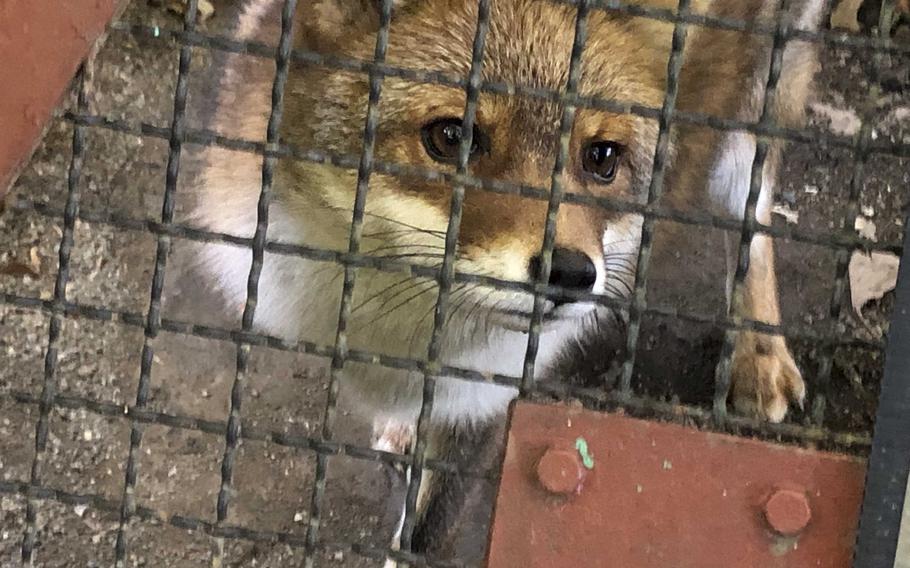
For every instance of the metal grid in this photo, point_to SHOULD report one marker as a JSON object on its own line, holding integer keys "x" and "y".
{"x": 893, "y": 466}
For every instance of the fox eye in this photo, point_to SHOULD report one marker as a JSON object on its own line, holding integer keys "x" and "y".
{"x": 442, "y": 138}
{"x": 601, "y": 159}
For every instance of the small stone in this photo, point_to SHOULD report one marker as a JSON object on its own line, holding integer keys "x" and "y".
{"x": 298, "y": 517}
{"x": 87, "y": 435}
{"x": 338, "y": 556}
{"x": 842, "y": 121}
{"x": 811, "y": 189}
{"x": 80, "y": 509}
{"x": 865, "y": 228}
{"x": 205, "y": 10}
{"x": 7, "y": 504}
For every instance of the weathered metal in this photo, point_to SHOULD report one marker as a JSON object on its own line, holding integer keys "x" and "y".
{"x": 42, "y": 43}
{"x": 661, "y": 495}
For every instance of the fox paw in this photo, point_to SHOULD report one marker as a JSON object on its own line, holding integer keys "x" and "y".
{"x": 765, "y": 377}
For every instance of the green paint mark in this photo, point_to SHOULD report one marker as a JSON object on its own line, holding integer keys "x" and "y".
{"x": 586, "y": 458}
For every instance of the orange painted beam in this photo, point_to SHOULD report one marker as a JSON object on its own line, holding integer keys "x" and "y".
{"x": 42, "y": 43}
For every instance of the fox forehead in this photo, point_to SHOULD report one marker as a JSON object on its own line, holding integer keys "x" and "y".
{"x": 528, "y": 43}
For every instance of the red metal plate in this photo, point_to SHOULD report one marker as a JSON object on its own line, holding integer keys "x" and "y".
{"x": 663, "y": 495}
{"x": 41, "y": 45}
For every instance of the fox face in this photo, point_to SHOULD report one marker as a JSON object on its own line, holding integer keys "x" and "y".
{"x": 515, "y": 139}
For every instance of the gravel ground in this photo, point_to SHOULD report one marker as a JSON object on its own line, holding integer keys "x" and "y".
{"x": 179, "y": 469}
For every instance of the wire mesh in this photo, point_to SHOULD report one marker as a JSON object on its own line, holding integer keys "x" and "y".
{"x": 232, "y": 432}
{"x": 364, "y": 170}
{"x": 446, "y": 277}
{"x": 153, "y": 315}
{"x": 234, "y": 429}
{"x": 46, "y": 401}
{"x": 750, "y": 220}
{"x": 674, "y": 66}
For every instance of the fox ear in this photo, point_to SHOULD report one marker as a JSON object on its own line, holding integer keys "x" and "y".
{"x": 328, "y": 24}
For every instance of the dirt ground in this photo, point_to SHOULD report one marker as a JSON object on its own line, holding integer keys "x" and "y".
{"x": 179, "y": 469}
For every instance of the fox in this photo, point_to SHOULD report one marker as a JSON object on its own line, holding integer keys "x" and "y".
{"x": 516, "y": 139}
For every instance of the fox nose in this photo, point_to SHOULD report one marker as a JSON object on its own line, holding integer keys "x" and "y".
{"x": 570, "y": 269}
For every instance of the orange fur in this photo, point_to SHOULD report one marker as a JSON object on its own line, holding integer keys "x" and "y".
{"x": 529, "y": 44}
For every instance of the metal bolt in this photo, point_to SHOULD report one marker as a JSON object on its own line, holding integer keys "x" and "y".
{"x": 788, "y": 512}
{"x": 560, "y": 471}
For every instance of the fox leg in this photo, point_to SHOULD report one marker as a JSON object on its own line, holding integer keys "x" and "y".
{"x": 765, "y": 378}
{"x": 397, "y": 437}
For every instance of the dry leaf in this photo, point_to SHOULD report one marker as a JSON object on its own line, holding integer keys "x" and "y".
{"x": 871, "y": 277}
{"x": 845, "y": 15}
{"x": 34, "y": 259}
{"x": 31, "y": 269}
{"x": 786, "y": 212}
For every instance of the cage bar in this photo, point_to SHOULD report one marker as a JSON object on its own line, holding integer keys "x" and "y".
{"x": 655, "y": 189}
{"x": 445, "y": 278}
{"x": 889, "y": 461}
{"x": 340, "y": 351}
{"x": 153, "y": 315}
{"x": 555, "y": 194}
{"x": 823, "y": 379}
{"x": 749, "y": 220}
{"x": 234, "y": 425}
{"x": 888, "y": 468}
{"x": 57, "y": 319}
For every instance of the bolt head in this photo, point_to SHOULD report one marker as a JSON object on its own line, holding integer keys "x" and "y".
{"x": 788, "y": 512}
{"x": 560, "y": 471}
